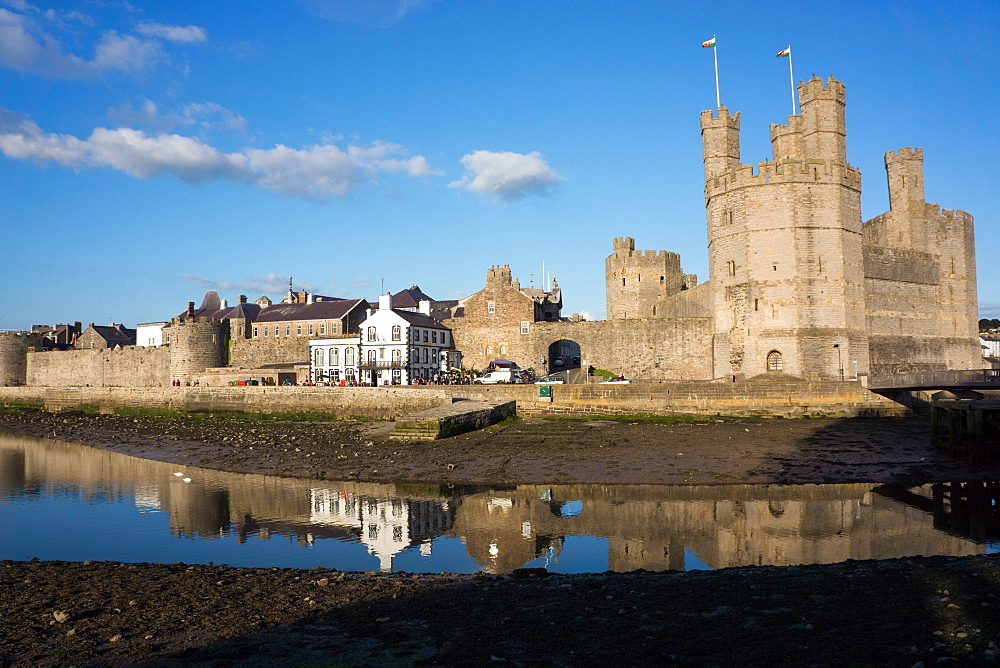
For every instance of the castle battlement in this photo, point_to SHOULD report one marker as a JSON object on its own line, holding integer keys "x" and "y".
{"x": 905, "y": 153}
{"x": 816, "y": 89}
{"x": 786, "y": 171}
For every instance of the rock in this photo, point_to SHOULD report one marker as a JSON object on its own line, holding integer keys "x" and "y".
{"x": 115, "y": 638}
{"x": 61, "y": 616}
{"x": 382, "y": 620}
{"x": 322, "y": 582}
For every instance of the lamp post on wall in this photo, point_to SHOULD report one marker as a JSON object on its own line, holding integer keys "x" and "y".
{"x": 840, "y": 359}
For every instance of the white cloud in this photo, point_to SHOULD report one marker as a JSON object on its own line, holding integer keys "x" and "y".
{"x": 989, "y": 310}
{"x": 368, "y": 13}
{"x": 186, "y": 34}
{"x": 27, "y": 46}
{"x": 270, "y": 284}
{"x": 507, "y": 176}
{"x": 202, "y": 115}
{"x": 319, "y": 173}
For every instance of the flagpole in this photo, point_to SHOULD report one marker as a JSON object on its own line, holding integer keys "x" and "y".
{"x": 715, "y": 56}
{"x": 791, "y": 81}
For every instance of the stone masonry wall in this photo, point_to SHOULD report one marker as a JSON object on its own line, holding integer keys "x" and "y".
{"x": 789, "y": 398}
{"x": 252, "y": 353}
{"x": 101, "y": 367}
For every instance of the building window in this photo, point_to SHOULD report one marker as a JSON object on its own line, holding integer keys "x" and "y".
{"x": 288, "y": 330}
{"x": 334, "y": 375}
{"x": 397, "y": 355}
{"x": 381, "y": 353}
{"x": 349, "y": 357}
{"x": 434, "y": 337}
{"x": 334, "y": 357}
{"x": 333, "y": 328}
{"x": 425, "y": 335}
{"x": 322, "y": 328}
{"x": 310, "y": 329}
{"x": 371, "y": 355}
{"x": 489, "y": 350}
{"x": 524, "y": 326}
{"x": 371, "y": 333}
{"x": 298, "y": 330}
{"x": 774, "y": 361}
{"x": 503, "y": 350}
{"x": 491, "y": 307}
{"x": 275, "y": 330}
{"x": 396, "y": 333}
{"x": 254, "y": 332}
{"x": 397, "y": 377}
{"x": 265, "y": 331}
{"x": 319, "y": 357}
{"x": 654, "y": 310}
{"x": 444, "y": 338}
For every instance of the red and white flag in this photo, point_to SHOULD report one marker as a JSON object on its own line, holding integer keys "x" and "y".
{"x": 710, "y": 43}
{"x": 784, "y": 53}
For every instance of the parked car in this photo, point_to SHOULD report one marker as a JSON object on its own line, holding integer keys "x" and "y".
{"x": 495, "y": 377}
{"x": 617, "y": 380}
{"x": 521, "y": 376}
{"x": 558, "y": 361}
{"x": 551, "y": 380}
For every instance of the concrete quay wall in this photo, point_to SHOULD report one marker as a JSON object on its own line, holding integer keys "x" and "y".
{"x": 769, "y": 398}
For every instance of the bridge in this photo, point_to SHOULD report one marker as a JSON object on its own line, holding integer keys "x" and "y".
{"x": 970, "y": 379}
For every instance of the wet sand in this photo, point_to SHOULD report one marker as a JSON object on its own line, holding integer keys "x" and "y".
{"x": 898, "y": 612}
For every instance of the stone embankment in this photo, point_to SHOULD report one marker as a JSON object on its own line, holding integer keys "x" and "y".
{"x": 452, "y": 419}
{"x": 783, "y": 397}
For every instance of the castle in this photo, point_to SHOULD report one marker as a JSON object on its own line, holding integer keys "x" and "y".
{"x": 798, "y": 284}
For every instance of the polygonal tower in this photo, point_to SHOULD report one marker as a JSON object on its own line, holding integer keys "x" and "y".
{"x": 14, "y": 356}
{"x": 196, "y": 344}
{"x": 785, "y": 244}
{"x": 638, "y": 282}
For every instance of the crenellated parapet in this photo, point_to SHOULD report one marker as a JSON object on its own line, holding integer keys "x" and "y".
{"x": 785, "y": 171}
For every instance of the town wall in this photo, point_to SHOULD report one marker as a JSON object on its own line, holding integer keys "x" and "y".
{"x": 678, "y": 348}
{"x": 100, "y": 367}
{"x": 252, "y": 353}
{"x": 776, "y": 396}
{"x": 13, "y": 356}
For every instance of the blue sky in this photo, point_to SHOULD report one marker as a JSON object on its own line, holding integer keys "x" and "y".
{"x": 152, "y": 150}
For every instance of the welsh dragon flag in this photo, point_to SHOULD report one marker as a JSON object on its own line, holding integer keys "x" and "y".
{"x": 710, "y": 43}
{"x": 785, "y": 53}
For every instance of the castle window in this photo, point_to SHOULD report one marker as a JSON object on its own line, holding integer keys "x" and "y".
{"x": 491, "y": 307}
{"x": 756, "y": 305}
{"x": 731, "y": 267}
{"x": 774, "y": 362}
{"x": 623, "y": 282}
{"x": 524, "y": 326}
{"x": 662, "y": 280}
{"x": 654, "y": 310}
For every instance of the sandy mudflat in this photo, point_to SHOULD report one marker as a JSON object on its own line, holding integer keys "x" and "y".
{"x": 898, "y": 612}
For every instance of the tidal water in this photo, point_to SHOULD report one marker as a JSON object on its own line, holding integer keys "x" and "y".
{"x": 64, "y": 501}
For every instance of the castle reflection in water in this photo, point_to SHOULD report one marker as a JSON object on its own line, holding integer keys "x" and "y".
{"x": 643, "y": 526}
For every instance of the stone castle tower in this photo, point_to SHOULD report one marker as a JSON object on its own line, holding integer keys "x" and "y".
{"x": 197, "y": 344}
{"x": 785, "y": 244}
{"x": 638, "y": 282}
{"x": 920, "y": 272}
{"x": 14, "y": 348}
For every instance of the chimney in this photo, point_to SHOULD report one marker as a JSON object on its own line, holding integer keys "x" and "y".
{"x": 385, "y": 301}
{"x": 190, "y": 311}
{"x": 225, "y": 303}
{"x": 242, "y": 299}
{"x": 424, "y": 306}
{"x": 309, "y": 299}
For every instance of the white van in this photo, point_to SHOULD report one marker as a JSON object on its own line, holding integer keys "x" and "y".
{"x": 495, "y": 377}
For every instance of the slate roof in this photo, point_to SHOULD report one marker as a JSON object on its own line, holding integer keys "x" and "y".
{"x": 116, "y": 335}
{"x": 331, "y": 310}
{"x": 409, "y": 298}
{"x": 419, "y": 319}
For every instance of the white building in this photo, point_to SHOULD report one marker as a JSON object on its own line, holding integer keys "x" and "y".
{"x": 150, "y": 334}
{"x": 395, "y": 347}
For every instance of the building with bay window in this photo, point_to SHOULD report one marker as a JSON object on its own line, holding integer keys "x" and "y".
{"x": 394, "y": 347}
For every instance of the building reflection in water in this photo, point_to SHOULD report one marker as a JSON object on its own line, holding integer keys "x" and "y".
{"x": 639, "y": 526}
